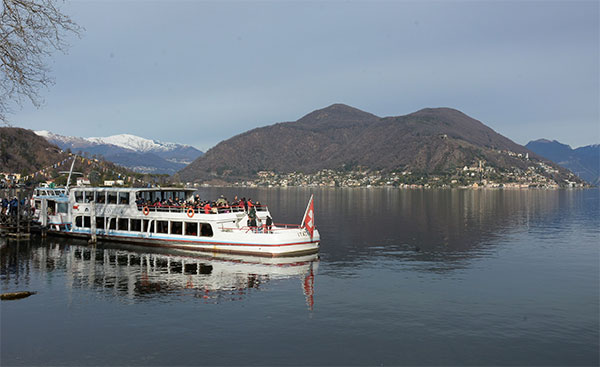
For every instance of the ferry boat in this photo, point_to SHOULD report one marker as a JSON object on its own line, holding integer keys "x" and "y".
{"x": 117, "y": 214}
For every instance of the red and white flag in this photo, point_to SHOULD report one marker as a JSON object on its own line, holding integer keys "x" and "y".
{"x": 308, "y": 221}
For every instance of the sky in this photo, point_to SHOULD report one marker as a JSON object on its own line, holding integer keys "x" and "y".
{"x": 200, "y": 72}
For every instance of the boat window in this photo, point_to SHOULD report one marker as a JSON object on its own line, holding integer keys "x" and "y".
{"x": 206, "y": 230}
{"x": 79, "y": 221}
{"x": 38, "y": 204}
{"x": 78, "y": 197}
{"x": 162, "y": 226}
{"x": 135, "y": 225}
{"x": 89, "y": 196}
{"x": 145, "y": 229}
{"x": 142, "y": 195}
{"x": 100, "y": 223}
{"x": 124, "y": 198}
{"x": 87, "y": 221}
{"x": 123, "y": 224}
{"x": 101, "y": 197}
{"x": 191, "y": 228}
{"x": 111, "y": 197}
{"x": 176, "y": 227}
{"x": 112, "y": 223}
{"x": 61, "y": 208}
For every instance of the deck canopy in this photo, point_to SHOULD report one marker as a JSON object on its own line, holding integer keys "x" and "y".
{"x": 49, "y": 191}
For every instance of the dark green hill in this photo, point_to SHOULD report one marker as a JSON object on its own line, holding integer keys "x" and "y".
{"x": 342, "y": 137}
{"x": 22, "y": 151}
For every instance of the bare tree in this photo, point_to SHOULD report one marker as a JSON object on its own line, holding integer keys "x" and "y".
{"x": 30, "y": 30}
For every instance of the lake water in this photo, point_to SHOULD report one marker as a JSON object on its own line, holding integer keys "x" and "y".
{"x": 403, "y": 277}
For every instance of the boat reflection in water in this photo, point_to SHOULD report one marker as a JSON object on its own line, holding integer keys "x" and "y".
{"x": 138, "y": 273}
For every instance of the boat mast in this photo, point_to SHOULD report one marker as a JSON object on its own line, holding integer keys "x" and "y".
{"x": 70, "y": 173}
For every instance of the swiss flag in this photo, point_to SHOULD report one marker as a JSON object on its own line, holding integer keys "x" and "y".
{"x": 309, "y": 217}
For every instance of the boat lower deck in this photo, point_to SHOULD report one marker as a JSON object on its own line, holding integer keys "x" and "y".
{"x": 267, "y": 250}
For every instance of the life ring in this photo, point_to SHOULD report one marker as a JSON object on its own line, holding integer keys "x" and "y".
{"x": 190, "y": 212}
{"x": 146, "y": 210}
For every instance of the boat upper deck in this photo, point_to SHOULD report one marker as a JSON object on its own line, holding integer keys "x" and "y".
{"x": 161, "y": 200}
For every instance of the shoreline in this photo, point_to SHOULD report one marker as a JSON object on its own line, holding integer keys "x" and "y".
{"x": 512, "y": 188}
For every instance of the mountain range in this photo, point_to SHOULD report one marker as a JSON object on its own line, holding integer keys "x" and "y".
{"x": 134, "y": 152}
{"x": 341, "y": 137}
{"x": 583, "y": 161}
{"x": 24, "y": 152}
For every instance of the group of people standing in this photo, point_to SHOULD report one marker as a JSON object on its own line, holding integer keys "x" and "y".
{"x": 221, "y": 205}
{"x": 255, "y": 223}
{"x": 10, "y": 207}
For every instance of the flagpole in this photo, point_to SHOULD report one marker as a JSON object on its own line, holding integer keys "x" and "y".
{"x": 306, "y": 212}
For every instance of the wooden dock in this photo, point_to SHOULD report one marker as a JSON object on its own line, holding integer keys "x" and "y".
{"x": 16, "y": 222}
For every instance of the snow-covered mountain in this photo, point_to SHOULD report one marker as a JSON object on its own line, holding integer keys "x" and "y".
{"x": 136, "y": 143}
{"x": 134, "y": 152}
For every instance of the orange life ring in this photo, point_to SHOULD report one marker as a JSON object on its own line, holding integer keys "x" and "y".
{"x": 146, "y": 210}
{"x": 190, "y": 212}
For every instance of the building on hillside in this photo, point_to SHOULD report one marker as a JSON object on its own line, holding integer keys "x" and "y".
{"x": 82, "y": 181}
{"x": 114, "y": 182}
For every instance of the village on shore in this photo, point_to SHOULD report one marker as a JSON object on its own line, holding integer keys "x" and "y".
{"x": 467, "y": 177}
{"x": 477, "y": 175}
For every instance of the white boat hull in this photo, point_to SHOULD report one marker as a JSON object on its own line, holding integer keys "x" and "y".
{"x": 290, "y": 243}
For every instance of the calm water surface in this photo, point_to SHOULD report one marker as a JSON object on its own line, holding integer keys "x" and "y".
{"x": 404, "y": 277}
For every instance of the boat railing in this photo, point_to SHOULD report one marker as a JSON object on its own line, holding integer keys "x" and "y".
{"x": 195, "y": 209}
{"x": 276, "y": 227}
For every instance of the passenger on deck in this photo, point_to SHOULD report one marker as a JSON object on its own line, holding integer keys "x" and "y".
{"x": 252, "y": 218}
{"x": 207, "y": 208}
{"x": 222, "y": 201}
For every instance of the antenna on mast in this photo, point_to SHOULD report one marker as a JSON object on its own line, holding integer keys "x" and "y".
{"x": 70, "y": 172}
